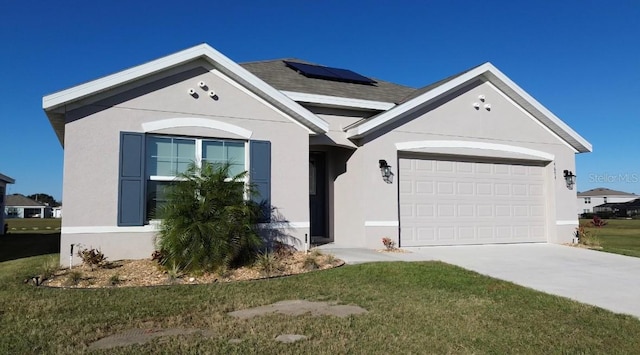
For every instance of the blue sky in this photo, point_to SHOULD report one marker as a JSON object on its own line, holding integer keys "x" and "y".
{"x": 580, "y": 59}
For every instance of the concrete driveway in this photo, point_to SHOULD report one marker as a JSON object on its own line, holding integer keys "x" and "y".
{"x": 601, "y": 279}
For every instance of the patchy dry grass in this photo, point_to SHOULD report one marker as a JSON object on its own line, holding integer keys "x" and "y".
{"x": 426, "y": 307}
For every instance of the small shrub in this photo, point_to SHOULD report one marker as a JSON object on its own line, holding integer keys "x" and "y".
{"x": 224, "y": 271}
{"x": 174, "y": 272}
{"x": 388, "y": 243}
{"x": 315, "y": 253}
{"x": 282, "y": 250}
{"x": 74, "y": 278}
{"x": 587, "y": 238}
{"x": 92, "y": 257}
{"x": 310, "y": 263}
{"x": 49, "y": 268}
{"x": 158, "y": 257}
{"x": 598, "y": 222}
{"x": 330, "y": 259}
{"x": 268, "y": 263}
{"x": 115, "y": 280}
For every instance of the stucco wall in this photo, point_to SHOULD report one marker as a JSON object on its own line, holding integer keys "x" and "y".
{"x": 92, "y": 144}
{"x": 453, "y": 118}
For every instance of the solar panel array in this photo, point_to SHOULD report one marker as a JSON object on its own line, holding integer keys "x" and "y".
{"x": 320, "y": 72}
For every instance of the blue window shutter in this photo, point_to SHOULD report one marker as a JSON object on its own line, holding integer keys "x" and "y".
{"x": 131, "y": 180}
{"x": 260, "y": 175}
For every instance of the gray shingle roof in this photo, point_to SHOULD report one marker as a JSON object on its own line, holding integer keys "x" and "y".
{"x": 601, "y": 191}
{"x": 277, "y": 74}
{"x": 22, "y": 201}
{"x": 429, "y": 87}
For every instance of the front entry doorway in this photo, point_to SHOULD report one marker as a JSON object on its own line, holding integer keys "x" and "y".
{"x": 318, "y": 194}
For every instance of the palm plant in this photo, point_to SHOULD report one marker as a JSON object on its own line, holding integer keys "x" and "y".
{"x": 206, "y": 221}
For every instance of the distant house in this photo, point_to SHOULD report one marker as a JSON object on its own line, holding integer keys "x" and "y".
{"x": 20, "y": 206}
{"x": 57, "y": 212}
{"x": 4, "y": 180}
{"x": 621, "y": 209}
{"x": 599, "y": 196}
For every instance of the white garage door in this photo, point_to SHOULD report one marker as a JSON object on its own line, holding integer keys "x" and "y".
{"x": 445, "y": 202}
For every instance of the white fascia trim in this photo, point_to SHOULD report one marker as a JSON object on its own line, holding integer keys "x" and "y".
{"x": 195, "y": 122}
{"x": 567, "y": 223}
{"x": 339, "y": 101}
{"x": 59, "y": 98}
{"x": 284, "y": 225}
{"x": 110, "y": 229}
{"x": 538, "y": 106}
{"x": 381, "y": 223}
{"x": 204, "y": 51}
{"x": 406, "y": 146}
{"x": 490, "y": 73}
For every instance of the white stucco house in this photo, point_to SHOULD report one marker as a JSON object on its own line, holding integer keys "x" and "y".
{"x": 20, "y": 206}
{"x": 4, "y": 180}
{"x": 589, "y": 199}
{"x": 471, "y": 159}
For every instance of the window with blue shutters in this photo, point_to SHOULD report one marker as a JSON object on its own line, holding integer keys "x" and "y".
{"x": 150, "y": 163}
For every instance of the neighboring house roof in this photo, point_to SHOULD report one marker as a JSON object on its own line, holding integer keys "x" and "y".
{"x": 486, "y": 73}
{"x": 54, "y": 104}
{"x": 281, "y": 77}
{"x": 18, "y": 200}
{"x": 7, "y": 179}
{"x": 621, "y": 205}
{"x": 601, "y": 191}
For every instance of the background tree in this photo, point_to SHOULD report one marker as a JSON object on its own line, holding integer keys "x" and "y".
{"x": 206, "y": 222}
{"x": 44, "y": 198}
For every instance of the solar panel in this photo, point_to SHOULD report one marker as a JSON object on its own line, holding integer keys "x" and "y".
{"x": 352, "y": 76}
{"x": 320, "y": 72}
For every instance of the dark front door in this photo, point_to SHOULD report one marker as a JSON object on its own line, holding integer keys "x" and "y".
{"x": 318, "y": 193}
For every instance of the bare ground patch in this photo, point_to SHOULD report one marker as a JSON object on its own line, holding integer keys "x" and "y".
{"x": 290, "y": 308}
{"x": 300, "y": 307}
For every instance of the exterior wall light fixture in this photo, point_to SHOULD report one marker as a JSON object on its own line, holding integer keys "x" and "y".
{"x": 385, "y": 170}
{"x": 570, "y": 179}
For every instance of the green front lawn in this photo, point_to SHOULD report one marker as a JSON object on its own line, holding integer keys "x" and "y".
{"x": 427, "y": 307}
{"x": 620, "y": 236}
{"x": 33, "y": 225}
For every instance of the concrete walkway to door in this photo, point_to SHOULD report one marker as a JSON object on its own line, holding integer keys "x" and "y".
{"x": 601, "y": 279}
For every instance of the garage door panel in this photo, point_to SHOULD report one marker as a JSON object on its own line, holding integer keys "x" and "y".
{"x": 407, "y": 211}
{"x": 466, "y": 211}
{"x": 425, "y": 187}
{"x": 465, "y": 188}
{"x": 454, "y": 202}
{"x": 426, "y": 234}
{"x": 425, "y": 210}
{"x": 406, "y": 187}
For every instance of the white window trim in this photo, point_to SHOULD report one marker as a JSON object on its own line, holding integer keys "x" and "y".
{"x": 149, "y": 127}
